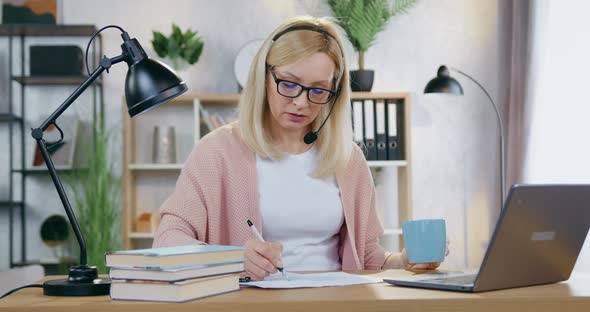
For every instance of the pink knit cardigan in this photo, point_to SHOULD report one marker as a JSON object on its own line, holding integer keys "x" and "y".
{"x": 217, "y": 191}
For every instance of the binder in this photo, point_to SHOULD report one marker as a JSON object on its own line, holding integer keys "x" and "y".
{"x": 381, "y": 137}
{"x": 392, "y": 112}
{"x": 358, "y": 125}
{"x": 370, "y": 129}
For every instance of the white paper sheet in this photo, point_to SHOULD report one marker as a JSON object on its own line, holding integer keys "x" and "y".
{"x": 296, "y": 280}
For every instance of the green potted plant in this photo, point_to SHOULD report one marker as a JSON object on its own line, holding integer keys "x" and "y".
{"x": 180, "y": 49}
{"x": 97, "y": 194}
{"x": 362, "y": 20}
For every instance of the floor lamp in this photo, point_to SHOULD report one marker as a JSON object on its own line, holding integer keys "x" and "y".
{"x": 148, "y": 84}
{"x": 444, "y": 83}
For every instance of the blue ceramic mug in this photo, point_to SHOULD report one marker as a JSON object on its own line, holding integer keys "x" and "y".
{"x": 425, "y": 240}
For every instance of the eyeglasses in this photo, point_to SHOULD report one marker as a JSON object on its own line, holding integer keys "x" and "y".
{"x": 292, "y": 89}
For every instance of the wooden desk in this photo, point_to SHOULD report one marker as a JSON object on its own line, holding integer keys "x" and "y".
{"x": 573, "y": 295}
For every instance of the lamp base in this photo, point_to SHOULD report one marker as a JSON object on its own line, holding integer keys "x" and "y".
{"x": 82, "y": 281}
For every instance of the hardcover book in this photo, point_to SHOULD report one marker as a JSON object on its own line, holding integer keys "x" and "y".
{"x": 174, "y": 274}
{"x": 175, "y": 256}
{"x": 174, "y": 291}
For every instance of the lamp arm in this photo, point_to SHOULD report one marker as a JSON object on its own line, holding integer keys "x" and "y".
{"x": 37, "y": 134}
{"x": 105, "y": 64}
{"x": 501, "y": 129}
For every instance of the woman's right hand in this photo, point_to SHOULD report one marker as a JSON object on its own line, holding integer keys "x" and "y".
{"x": 262, "y": 259}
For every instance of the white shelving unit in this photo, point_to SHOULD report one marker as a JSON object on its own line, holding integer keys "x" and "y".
{"x": 167, "y": 167}
{"x": 387, "y": 163}
{"x": 147, "y": 184}
{"x": 392, "y": 231}
{"x": 141, "y": 235}
{"x": 155, "y": 167}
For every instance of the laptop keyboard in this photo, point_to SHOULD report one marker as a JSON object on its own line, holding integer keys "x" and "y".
{"x": 453, "y": 280}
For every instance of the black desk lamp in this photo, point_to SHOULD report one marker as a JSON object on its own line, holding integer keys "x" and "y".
{"x": 444, "y": 83}
{"x": 148, "y": 84}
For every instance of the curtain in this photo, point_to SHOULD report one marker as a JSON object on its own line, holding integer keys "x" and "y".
{"x": 551, "y": 142}
{"x": 519, "y": 42}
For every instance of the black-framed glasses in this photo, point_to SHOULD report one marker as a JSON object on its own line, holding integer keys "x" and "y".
{"x": 292, "y": 89}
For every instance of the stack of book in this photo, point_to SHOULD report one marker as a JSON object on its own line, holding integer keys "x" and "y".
{"x": 175, "y": 274}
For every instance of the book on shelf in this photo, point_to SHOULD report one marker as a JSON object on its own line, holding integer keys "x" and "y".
{"x": 174, "y": 274}
{"x": 381, "y": 133}
{"x": 174, "y": 256}
{"x": 180, "y": 291}
{"x": 394, "y": 130}
{"x": 214, "y": 118}
{"x": 370, "y": 129}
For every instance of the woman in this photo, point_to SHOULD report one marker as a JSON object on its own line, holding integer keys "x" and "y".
{"x": 313, "y": 203}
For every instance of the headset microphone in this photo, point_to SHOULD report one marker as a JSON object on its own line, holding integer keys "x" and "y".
{"x": 312, "y": 136}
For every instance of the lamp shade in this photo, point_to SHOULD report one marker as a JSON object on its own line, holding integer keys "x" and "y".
{"x": 150, "y": 83}
{"x": 443, "y": 83}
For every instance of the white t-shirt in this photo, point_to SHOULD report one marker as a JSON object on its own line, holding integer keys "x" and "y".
{"x": 303, "y": 213}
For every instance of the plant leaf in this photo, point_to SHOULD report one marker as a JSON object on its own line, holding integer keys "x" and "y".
{"x": 401, "y": 6}
{"x": 362, "y": 20}
{"x": 160, "y": 44}
{"x": 187, "y": 45}
{"x": 193, "y": 51}
{"x": 97, "y": 199}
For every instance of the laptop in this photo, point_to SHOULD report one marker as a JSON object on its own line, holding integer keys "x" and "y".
{"x": 537, "y": 240}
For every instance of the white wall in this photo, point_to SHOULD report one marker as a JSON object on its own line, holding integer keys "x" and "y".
{"x": 558, "y": 151}
{"x": 454, "y": 138}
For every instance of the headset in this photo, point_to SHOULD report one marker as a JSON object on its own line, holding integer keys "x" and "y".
{"x": 312, "y": 136}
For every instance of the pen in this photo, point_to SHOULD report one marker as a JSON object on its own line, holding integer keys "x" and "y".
{"x": 259, "y": 237}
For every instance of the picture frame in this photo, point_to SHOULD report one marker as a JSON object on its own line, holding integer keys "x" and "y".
{"x": 28, "y": 12}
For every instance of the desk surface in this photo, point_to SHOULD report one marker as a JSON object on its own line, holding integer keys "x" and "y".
{"x": 573, "y": 295}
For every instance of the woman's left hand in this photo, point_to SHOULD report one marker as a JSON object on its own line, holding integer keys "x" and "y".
{"x": 421, "y": 266}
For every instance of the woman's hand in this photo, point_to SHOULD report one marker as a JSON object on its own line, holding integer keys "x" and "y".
{"x": 262, "y": 259}
{"x": 421, "y": 266}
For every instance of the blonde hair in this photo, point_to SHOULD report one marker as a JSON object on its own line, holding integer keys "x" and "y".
{"x": 334, "y": 144}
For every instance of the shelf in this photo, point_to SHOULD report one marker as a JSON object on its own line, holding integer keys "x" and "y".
{"x": 206, "y": 99}
{"x": 51, "y": 80}
{"x": 44, "y": 170}
{"x": 47, "y": 30}
{"x": 376, "y": 95}
{"x": 387, "y": 163}
{"x": 51, "y": 266}
{"x": 7, "y": 204}
{"x": 140, "y": 235}
{"x": 5, "y": 117}
{"x": 163, "y": 167}
{"x": 21, "y": 36}
{"x": 392, "y": 232}
{"x": 142, "y": 179}
{"x": 155, "y": 167}
{"x": 234, "y": 98}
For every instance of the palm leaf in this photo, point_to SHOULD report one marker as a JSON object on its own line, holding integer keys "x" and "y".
{"x": 401, "y": 6}
{"x": 362, "y": 20}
